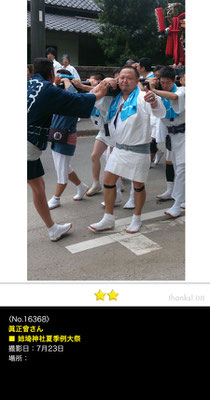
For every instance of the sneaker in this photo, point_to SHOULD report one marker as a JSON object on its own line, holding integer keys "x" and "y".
{"x": 81, "y": 190}
{"x": 158, "y": 156}
{"x": 182, "y": 206}
{"x": 130, "y": 204}
{"x": 107, "y": 223}
{"x": 135, "y": 224}
{"x": 95, "y": 188}
{"x": 53, "y": 203}
{"x": 56, "y": 232}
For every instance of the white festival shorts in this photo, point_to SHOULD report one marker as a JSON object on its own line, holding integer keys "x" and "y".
{"x": 62, "y": 166}
{"x": 129, "y": 165}
{"x": 178, "y": 148}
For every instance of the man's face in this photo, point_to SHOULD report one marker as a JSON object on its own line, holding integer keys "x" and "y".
{"x": 50, "y": 56}
{"x": 182, "y": 80}
{"x": 93, "y": 81}
{"x": 167, "y": 84}
{"x": 141, "y": 69}
{"x": 65, "y": 62}
{"x": 127, "y": 80}
{"x": 157, "y": 77}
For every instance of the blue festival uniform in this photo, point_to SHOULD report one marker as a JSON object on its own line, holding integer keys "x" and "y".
{"x": 44, "y": 99}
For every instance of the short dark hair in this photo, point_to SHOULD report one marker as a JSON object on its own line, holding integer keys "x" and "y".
{"x": 132, "y": 68}
{"x": 98, "y": 76}
{"x": 116, "y": 71}
{"x": 43, "y": 66}
{"x": 158, "y": 67}
{"x": 168, "y": 72}
{"x": 51, "y": 50}
{"x": 64, "y": 71}
{"x": 146, "y": 63}
{"x": 65, "y": 56}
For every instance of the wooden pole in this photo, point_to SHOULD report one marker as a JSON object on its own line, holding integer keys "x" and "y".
{"x": 38, "y": 45}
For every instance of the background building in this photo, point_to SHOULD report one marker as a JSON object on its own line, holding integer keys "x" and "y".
{"x": 70, "y": 26}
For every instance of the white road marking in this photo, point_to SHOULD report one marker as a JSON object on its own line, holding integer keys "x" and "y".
{"x": 140, "y": 245}
{"x": 137, "y": 243}
{"x": 89, "y": 244}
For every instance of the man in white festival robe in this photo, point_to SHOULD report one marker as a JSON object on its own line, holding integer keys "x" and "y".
{"x": 129, "y": 125}
{"x": 173, "y": 98}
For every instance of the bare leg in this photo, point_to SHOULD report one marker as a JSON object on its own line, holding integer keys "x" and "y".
{"x": 40, "y": 201}
{"x": 81, "y": 187}
{"x": 74, "y": 178}
{"x": 61, "y": 186}
{"x": 107, "y": 221}
{"x": 60, "y": 189}
{"x": 109, "y": 194}
{"x": 98, "y": 149}
{"x": 81, "y": 190}
{"x": 139, "y": 198}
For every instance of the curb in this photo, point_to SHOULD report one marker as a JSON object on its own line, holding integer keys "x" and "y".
{"x": 87, "y": 132}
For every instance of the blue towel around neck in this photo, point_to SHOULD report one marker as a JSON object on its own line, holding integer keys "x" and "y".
{"x": 95, "y": 112}
{"x": 129, "y": 107}
{"x": 170, "y": 113}
{"x": 150, "y": 75}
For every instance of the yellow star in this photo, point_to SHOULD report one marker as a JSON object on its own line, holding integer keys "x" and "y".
{"x": 112, "y": 295}
{"x": 100, "y": 295}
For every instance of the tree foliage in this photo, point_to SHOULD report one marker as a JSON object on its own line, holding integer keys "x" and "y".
{"x": 128, "y": 29}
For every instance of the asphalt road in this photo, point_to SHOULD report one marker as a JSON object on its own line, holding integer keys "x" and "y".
{"x": 156, "y": 253}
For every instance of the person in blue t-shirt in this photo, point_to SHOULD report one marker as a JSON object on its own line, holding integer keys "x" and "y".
{"x": 63, "y": 152}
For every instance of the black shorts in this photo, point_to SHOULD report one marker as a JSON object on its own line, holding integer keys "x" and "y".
{"x": 34, "y": 169}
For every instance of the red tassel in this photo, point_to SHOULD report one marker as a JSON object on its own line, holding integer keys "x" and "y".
{"x": 160, "y": 19}
{"x": 173, "y": 45}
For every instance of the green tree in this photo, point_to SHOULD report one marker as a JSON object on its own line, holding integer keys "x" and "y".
{"x": 129, "y": 29}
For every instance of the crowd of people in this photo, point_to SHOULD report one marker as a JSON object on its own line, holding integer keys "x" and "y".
{"x": 140, "y": 116}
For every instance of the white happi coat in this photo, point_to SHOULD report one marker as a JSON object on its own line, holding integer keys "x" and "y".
{"x": 56, "y": 66}
{"x": 158, "y": 129}
{"x": 99, "y": 121}
{"x": 135, "y": 130}
{"x": 178, "y": 140}
{"x": 73, "y": 71}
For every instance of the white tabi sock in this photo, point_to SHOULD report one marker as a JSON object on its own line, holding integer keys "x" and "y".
{"x": 81, "y": 190}
{"x": 174, "y": 211}
{"x": 135, "y": 224}
{"x": 106, "y": 223}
